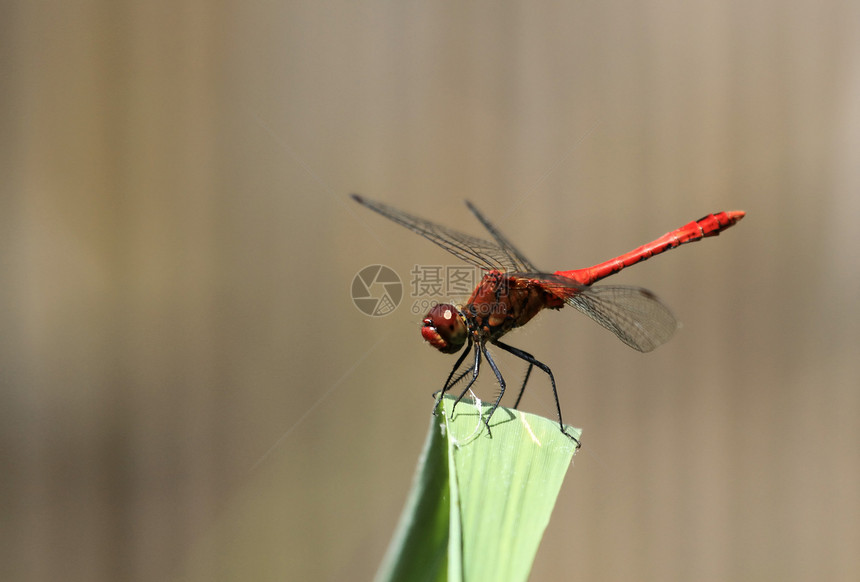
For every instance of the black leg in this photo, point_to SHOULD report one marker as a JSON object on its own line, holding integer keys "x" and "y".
{"x": 457, "y": 380}
{"x": 534, "y": 362}
{"x": 476, "y": 368}
{"x": 501, "y": 387}
{"x": 448, "y": 384}
{"x": 451, "y": 383}
{"x": 523, "y": 388}
{"x": 531, "y": 361}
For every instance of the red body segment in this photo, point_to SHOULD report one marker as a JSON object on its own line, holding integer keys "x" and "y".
{"x": 710, "y": 225}
{"x": 503, "y": 302}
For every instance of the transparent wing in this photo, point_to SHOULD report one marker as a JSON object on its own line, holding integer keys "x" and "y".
{"x": 475, "y": 251}
{"x": 516, "y": 258}
{"x": 633, "y": 314}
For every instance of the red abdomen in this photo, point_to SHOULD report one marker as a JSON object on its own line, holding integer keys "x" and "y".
{"x": 710, "y": 225}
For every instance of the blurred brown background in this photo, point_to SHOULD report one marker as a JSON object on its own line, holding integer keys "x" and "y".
{"x": 189, "y": 393}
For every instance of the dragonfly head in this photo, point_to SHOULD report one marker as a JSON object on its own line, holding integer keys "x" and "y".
{"x": 445, "y": 328}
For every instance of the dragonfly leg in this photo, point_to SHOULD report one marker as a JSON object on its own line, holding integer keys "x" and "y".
{"x": 523, "y": 389}
{"x": 531, "y": 362}
{"x": 476, "y": 368}
{"x": 501, "y": 388}
{"x": 441, "y": 392}
{"x": 448, "y": 383}
{"x": 535, "y": 362}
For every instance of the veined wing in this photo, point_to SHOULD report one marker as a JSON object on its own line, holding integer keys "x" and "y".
{"x": 515, "y": 257}
{"x": 633, "y": 314}
{"x": 475, "y": 251}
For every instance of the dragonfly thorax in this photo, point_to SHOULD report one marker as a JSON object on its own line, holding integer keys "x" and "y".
{"x": 445, "y": 328}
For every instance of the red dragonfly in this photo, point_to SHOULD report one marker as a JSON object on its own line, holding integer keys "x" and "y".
{"x": 512, "y": 291}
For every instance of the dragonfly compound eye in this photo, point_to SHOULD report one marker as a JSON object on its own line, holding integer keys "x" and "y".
{"x": 444, "y": 329}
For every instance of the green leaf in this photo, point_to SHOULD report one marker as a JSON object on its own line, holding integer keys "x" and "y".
{"x": 479, "y": 505}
